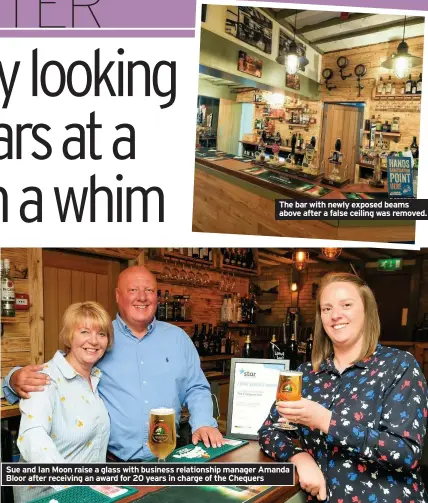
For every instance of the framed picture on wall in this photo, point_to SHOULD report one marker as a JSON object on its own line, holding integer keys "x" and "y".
{"x": 292, "y": 81}
{"x": 250, "y": 26}
{"x": 249, "y": 64}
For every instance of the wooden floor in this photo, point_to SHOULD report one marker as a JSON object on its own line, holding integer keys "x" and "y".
{"x": 220, "y": 206}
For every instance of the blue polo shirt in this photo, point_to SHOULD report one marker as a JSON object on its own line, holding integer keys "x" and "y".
{"x": 160, "y": 370}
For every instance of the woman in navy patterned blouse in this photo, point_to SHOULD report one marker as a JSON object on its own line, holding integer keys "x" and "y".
{"x": 363, "y": 413}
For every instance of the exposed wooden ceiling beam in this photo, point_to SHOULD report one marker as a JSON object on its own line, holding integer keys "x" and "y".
{"x": 328, "y": 23}
{"x": 368, "y": 31}
{"x": 283, "y": 13}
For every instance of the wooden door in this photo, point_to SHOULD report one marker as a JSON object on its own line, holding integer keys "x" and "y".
{"x": 229, "y": 126}
{"x": 69, "y": 278}
{"x": 392, "y": 292}
{"x": 344, "y": 122}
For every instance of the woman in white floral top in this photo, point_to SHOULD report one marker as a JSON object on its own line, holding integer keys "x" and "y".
{"x": 67, "y": 421}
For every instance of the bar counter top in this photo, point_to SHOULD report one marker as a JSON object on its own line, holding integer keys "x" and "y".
{"x": 236, "y": 168}
{"x": 250, "y": 453}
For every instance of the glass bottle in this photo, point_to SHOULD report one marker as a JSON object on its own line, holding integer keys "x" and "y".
{"x": 272, "y": 348}
{"x": 291, "y": 352}
{"x": 211, "y": 340}
{"x": 409, "y": 85}
{"x": 309, "y": 346}
{"x": 7, "y": 291}
{"x": 161, "y": 307}
{"x": 419, "y": 85}
{"x": 247, "y": 350}
{"x": 195, "y": 338}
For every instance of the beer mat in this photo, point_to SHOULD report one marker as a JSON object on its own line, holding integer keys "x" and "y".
{"x": 207, "y": 494}
{"x": 85, "y": 494}
{"x": 200, "y": 454}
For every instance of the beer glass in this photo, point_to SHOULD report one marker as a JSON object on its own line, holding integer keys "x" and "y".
{"x": 162, "y": 434}
{"x": 289, "y": 390}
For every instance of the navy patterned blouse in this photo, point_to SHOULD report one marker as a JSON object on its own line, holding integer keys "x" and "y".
{"x": 374, "y": 442}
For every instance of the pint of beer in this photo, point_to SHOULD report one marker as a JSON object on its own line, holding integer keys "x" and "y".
{"x": 289, "y": 390}
{"x": 162, "y": 434}
{"x": 289, "y": 386}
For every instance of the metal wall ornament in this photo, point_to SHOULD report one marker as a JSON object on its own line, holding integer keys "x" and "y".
{"x": 360, "y": 71}
{"x": 328, "y": 73}
{"x": 342, "y": 63}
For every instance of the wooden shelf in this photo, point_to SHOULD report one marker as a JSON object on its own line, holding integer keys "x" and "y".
{"x": 409, "y": 97}
{"x": 181, "y": 323}
{"x": 239, "y": 271}
{"x": 395, "y": 134}
{"x": 6, "y": 319}
{"x": 241, "y": 325}
{"x": 185, "y": 258}
{"x": 8, "y": 410}
{"x": 214, "y": 358}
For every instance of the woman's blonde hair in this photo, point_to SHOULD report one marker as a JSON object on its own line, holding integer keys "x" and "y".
{"x": 323, "y": 346}
{"x": 81, "y": 312}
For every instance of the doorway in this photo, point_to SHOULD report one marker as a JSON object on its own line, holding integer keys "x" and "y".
{"x": 344, "y": 121}
{"x": 69, "y": 278}
{"x": 392, "y": 292}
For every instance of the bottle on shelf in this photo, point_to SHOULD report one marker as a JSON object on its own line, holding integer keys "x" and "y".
{"x": 244, "y": 258}
{"x": 238, "y": 308}
{"x": 419, "y": 84}
{"x": 414, "y": 87}
{"x": 195, "y": 252}
{"x": 388, "y": 86}
{"x": 159, "y": 295}
{"x": 229, "y": 312}
{"x": 251, "y": 313}
{"x": 272, "y": 350}
{"x": 383, "y": 92}
{"x": 217, "y": 339}
{"x": 203, "y": 340}
{"x": 168, "y": 307}
{"x": 161, "y": 307}
{"x": 223, "y": 342}
{"x": 403, "y": 88}
{"x": 247, "y": 350}
{"x": 205, "y": 254}
{"x": 211, "y": 340}
{"x": 380, "y": 86}
{"x": 309, "y": 346}
{"x": 238, "y": 258}
{"x": 291, "y": 352}
{"x": 223, "y": 314}
{"x": 378, "y": 123}
{"x": 233, "y": 257}
{"x": 228, "y": 344}
{"x": 393, "y": 89}
{"x": 250, "y": 259}
{"x": 7, "y": 291}
{"x": 415, "y": 150}
{"x": 195, "y": 338}
{"x": 226, "y": 257}
{"x": 409, "y": 83}
{"x": 244, "y": 310}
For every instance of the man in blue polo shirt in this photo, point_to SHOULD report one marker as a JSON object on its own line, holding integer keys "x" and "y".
{"x": 152, "y": 364}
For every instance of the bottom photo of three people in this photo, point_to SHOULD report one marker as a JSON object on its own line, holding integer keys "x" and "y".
{"x": 314, "y": 356}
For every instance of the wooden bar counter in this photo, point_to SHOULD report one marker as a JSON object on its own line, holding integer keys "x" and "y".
{"x": 250, "y": 453}
{"x": 229, "y": 201}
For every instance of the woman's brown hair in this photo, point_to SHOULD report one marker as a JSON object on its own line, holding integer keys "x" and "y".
{"x": 323, "y": 346}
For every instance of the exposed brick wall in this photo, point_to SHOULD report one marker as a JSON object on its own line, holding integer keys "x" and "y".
{"x": 312, "y": 274}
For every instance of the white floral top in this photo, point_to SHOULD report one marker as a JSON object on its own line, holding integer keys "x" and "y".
{"x": 67, "y": 422}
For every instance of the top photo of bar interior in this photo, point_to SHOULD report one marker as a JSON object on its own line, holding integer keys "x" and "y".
{"x": 305, "y": 104}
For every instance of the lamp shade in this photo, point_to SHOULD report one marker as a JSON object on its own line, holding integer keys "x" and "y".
{"x": 401, "y": 62}
{"x": 292, "y": 59}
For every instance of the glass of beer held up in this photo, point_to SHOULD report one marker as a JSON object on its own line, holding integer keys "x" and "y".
{"x": 162, "y": 434}
{"x": 289, "y": 390}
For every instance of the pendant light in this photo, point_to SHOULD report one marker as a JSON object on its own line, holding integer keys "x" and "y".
{"x": 292, "y": 57}
{"x": 331, "y": 253}
{"x": 401, "y": 62}
{"x": 300, "y": 259}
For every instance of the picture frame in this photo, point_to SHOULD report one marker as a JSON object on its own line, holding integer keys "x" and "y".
{"x": 240, "y": 407}
{"x": 250, "y": 26}
{"x": 292, "y": 81}
{"x": 250, "y": 64}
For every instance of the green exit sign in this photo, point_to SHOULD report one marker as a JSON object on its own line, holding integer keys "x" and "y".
{"x": 389, "y": 264}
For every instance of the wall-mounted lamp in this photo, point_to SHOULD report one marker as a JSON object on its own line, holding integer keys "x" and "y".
{"x": 300, "y": 259}
{"x": 294, "y": 286}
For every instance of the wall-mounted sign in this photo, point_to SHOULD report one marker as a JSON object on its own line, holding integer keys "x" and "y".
{"x": 250, "y": 26}
{"x": 389, "y": 264}
{"x": 292, "y": 80}
{"x": 249, "y": 64}
{"x": 400, "y": 179}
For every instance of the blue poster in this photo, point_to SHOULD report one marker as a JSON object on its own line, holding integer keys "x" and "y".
{"x": 400, "y": 179}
